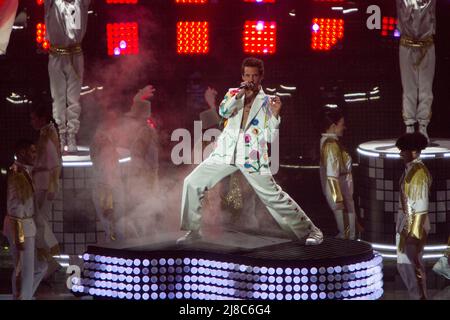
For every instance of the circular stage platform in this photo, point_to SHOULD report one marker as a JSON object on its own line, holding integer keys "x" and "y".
{"x": 377, "y": 188}
{"x": 274, "y": 269}
{"x": 438, "y": 148}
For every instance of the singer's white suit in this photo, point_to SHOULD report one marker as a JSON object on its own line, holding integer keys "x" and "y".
{"x": 245, "y": 150}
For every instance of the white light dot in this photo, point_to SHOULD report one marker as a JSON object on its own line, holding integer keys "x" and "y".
{"x": 315, "y": 27}
{"x": 260, "y": 26}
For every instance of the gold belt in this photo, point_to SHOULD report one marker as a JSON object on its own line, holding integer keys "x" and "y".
{"x": 413, "y": 43}
{"x": 423, "y": 45}
{"x": 66, "y": 51}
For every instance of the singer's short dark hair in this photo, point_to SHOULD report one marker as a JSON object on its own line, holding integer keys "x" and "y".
{"x": 412, "y": 142}
{"x": 253, "y": 62}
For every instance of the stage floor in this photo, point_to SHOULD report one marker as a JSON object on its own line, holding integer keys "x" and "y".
{"x": 245, "y": 246}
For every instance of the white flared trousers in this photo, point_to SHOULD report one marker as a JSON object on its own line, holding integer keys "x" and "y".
{"x": 281, "y": 206}
{"x": 32, "y": 271}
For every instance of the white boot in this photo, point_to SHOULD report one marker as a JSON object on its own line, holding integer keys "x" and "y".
{"x": 410, "y": 128}
{"x": 315, "y": 237}
{"x": 189, "y": 237}
{"x": 71, "y": 143}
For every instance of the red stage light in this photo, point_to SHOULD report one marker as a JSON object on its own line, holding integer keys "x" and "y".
{"x": 260, "y": 37}
{"x": 191, "y": 1}
{"x": 389, "y": 27}
{"x": 326, "y": 33}
{"x": 151, "y": 123}
{"x": 192, "y": 37}
{"x": 41, "y": 42}
{"x": 39, "y": 2}
{"x": 121, "y": 1}
{"x": 261, "y": 1}
{"x": 123, "y": 38}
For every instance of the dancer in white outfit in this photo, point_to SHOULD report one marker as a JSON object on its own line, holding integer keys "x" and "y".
{"x": 336, "y": 174}
{"x": 19, "y": 226}
{"x": 46, "y": 174}
{"x": 107, "y": 191}
{"x": 66, "y": 22}
{"x": 417, "y": 25}
{"x": 253, "y": 121}
{"x": 413, "y": 224}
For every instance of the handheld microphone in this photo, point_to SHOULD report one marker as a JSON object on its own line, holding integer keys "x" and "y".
{"x": 247, "y": 85}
